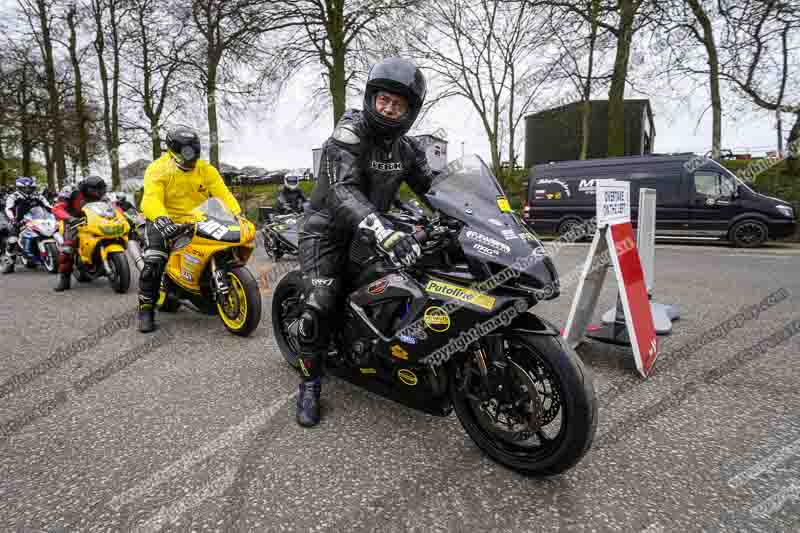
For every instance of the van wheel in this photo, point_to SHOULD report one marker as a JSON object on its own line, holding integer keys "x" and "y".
{"x": 749, "y": 233}
{"x": 567, "y": 226}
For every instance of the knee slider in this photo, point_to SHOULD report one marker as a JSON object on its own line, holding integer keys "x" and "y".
{"x": 152, "y": 269}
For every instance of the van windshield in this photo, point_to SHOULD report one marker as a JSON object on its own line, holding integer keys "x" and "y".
{"x": 736, "y": 178}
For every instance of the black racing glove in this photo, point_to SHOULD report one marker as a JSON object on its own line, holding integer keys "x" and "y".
{"x": 168, "y": 229}
{"x": 402, "y": 248}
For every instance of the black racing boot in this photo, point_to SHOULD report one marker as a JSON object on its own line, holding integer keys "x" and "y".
{"x": 147, "y": 318}
{"x": 308, "y": 402}
{"x": 63, "y": 281}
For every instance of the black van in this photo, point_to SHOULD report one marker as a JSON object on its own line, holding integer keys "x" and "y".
{"x": 696, "y": 198}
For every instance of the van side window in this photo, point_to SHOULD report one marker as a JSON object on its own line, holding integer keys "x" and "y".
{"x": 668, "y": 190}
{"x": 713, "y": 185}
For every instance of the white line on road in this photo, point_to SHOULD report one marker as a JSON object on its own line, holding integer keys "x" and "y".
{"x": 230, "y": 437}
{"x": 762, "y": 466}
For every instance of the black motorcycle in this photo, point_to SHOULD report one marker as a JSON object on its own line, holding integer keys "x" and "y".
{"x": 280, "y": 233}
{"x": 453, "y": 332}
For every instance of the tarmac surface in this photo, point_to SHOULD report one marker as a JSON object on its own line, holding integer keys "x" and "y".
{"x": 192, "y": 429}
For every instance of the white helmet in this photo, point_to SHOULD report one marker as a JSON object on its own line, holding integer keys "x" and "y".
{"x": 291, "y": 182}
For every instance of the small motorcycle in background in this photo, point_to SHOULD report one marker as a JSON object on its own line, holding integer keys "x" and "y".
{"x": 37, "y": 241}
{"x": 280, "y": 234}
{"x": 102, "y": 241}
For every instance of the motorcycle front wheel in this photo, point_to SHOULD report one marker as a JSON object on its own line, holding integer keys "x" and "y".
{"x": 240, "y": 311}
{"x": 120, "y": 276}
{"x": 535, "y": 411}
{"x": 286, "y": 308}
{"x": 51, "y": 257}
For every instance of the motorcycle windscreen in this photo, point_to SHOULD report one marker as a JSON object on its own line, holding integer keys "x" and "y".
{"x": 216, "y": 222}
{"x": 468, "y": 191}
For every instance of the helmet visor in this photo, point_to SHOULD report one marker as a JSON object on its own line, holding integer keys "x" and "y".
{"x": 291, "y": 180}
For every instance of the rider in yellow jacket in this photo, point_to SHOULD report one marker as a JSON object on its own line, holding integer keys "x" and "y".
{"x": 174, "y": 185}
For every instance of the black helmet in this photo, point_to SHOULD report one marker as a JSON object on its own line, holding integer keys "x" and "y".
{"x": 396, "y": 76}
{"x": 184, "y": 147}
{"x": 93, "y": 188}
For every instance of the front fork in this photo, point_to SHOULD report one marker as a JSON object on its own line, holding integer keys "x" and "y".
{"x": 219, "y": 281}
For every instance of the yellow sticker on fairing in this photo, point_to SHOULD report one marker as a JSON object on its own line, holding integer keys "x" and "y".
{"x": 437, "y": 319}
{"x": 464, "y": 294}
{"x": 399, "y": 352}
{"x": 407, "y": 376}
{"x": 502, "y": 203}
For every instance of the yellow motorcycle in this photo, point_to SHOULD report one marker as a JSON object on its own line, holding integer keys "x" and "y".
{"x": 102, "y": 241}
{"x": 206, "y": 268}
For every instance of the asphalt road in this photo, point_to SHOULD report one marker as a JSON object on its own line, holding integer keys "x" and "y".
{"x": 105, "y": 429}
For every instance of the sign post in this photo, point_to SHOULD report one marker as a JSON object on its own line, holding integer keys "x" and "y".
{"x": 614, "y": 245}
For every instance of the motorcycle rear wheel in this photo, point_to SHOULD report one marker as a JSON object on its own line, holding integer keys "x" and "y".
{"x": 550, "y": 374}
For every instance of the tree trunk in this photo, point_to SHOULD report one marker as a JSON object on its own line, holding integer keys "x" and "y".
{"x": 337, "y": 76}
{"x": 27, "y": 148}
{"x": 616, "y": 94}
{"x": 115, "y": 181}
{"x": 83, "y": 133}
{"x": 99, "y": 46}
{"x": 54, "y": 111}
{"x": 48, "y": 163}
{"x": 586, "y": 113}
{"x": 156, "y": 139}
{"x": 793, "y": 148}
{"x": 338, "y": 88}
{"x": 713, "y": 63}
{"x": 213, "y": 134}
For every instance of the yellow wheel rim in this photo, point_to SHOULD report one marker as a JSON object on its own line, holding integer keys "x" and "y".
{"x": 233, "y": 311}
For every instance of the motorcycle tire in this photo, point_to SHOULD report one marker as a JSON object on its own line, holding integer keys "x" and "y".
{"x": 51, "y": 259}
{"x": 244, "y": 288}
{"x": 122, "y": 272}
{"x": 546, "y": 356}
{"x": 286, "y": 307}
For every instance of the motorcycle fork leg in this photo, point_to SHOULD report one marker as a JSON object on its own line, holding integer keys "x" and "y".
{"x": 219, "y": 281}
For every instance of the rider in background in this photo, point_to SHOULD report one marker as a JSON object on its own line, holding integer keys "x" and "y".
{"x": 291, "y": 197}
{"x": 69, "y": 209}
{"x": 17, "y": 206}
{"x": 174, "y": 185}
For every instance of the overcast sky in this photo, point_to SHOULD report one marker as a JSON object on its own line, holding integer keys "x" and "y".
{"x": 286, "y": 136}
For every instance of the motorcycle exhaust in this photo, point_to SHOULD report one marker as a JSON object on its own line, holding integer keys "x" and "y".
{"x": 135, "y": 253}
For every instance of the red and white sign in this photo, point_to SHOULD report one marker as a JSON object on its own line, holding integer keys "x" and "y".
{"x": 614, "y": 245}
{"x": 633, "y": 293}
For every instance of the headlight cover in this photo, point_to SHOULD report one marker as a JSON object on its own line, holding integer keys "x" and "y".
{"x": 785, "y": 210}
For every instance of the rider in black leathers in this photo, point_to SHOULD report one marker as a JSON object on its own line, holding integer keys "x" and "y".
{"x": 362, "y": 167}
{"x": 291, "y": 197}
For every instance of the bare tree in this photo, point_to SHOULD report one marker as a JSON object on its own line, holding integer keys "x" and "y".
{"x": 631, "y": 17}
{"x": 230, "y": 51}
{"x": 76, "y": 58}
{"x": 339, "y": 35}
{"x": 156, "y": 47}
{"x": 578, "y": 48}
{"x": 489, "y": 52}
{"x": 40, "y": 16}
{"x": 107, "y": 15}
{"x": 760, "y": 48}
